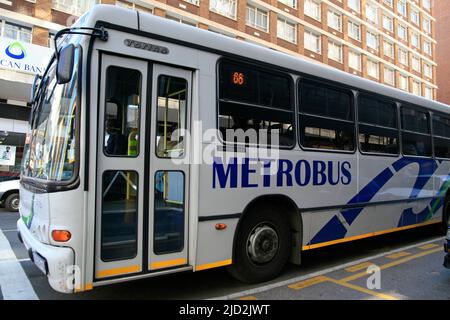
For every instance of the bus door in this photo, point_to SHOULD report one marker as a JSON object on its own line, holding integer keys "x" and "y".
{"x": 169, "y": 169}
{"x": 120, "y": 193}
{"x": 141, "y": 202}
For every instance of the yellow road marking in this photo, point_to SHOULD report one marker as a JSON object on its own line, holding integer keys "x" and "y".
{"x": 363, "y": 290}
{"x": 367, "y": 235}
{"x": 358, "y": 267}
{"x": 308, "y": 282}
{"x": 213, "y": 265}
{"x": 391, "y": 264}
{"x": 397, "y": 255}
{"x": 248, "y": 298}
{"x": 429, "y": 246}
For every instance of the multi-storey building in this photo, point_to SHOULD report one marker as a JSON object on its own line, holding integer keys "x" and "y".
{"x": 388, "y": 41}
{"x": 442, "y": 9}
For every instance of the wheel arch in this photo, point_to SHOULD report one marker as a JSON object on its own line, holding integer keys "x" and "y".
{"x": 287, "y": 206}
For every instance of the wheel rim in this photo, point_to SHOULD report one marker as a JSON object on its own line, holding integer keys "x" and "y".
{"x": 15, "y": 204}
{"x": 262, "y": 244}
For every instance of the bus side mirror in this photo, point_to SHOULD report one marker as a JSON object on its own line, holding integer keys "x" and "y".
{"x": 64, "y": 68}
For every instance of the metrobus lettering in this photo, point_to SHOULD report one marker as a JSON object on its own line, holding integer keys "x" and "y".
{"x": 287, "y": 173}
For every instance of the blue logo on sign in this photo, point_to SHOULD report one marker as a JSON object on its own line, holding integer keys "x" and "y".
{"x": 16, "y": 51}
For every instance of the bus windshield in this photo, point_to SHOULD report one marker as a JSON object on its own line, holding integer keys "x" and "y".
{"x": 51, "y": 153}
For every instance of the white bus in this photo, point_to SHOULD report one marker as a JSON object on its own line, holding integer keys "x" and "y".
{"x": 106, "y": 195}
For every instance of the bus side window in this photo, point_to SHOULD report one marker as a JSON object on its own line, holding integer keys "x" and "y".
{"x": 122, "y": 112}
{"x": 171, "y": 116}
{"x": 416, "y": 134}
{"x": 253, "y": 103}
{"x": 378, "y": 128}
{"x": 441, "y": 136}
{"x": 326, "y": 117}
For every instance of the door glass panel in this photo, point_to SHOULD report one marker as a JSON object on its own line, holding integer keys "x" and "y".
{"x": 119, "y": 215}
{"x": 171, "y": 115}
{"x": 122, "y": 112}
{"x": 169, "y": 212}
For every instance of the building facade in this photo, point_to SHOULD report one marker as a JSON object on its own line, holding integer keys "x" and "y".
{"x": 388, "y": 41}
{"x": 443, "y": 50}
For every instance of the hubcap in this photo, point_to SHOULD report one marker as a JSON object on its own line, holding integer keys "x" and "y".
{"x": 262, "y": 244}
{"x": 15, "y": 204}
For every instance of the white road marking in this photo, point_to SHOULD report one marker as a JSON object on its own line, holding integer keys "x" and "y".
{"x": 14, "y": 282}
{"x": 254, "y": 291}
{"x": 9, "y": 230}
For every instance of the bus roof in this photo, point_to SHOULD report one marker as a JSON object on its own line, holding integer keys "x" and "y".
{"x": 196, "y": 37}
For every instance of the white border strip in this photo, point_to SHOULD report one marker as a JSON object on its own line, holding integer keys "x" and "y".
{"x": 318, "y": 273}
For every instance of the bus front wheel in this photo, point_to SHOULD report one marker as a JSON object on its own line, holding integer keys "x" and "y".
{"x": 262, "y": 246}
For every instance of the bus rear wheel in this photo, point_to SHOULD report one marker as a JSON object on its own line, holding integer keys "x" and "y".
{"x": 262, "y": 246}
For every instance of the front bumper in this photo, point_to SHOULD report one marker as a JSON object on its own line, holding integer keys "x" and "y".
{"x": 59, "y": 260}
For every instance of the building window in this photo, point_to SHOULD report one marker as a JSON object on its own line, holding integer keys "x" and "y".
{"x": 335, "y": 20}
{"x": 388, "y": 49}
{"x": 415, "y": 17}
{"x": 354, "y": 60}
{"x": 427, "y": 47}
{"x": 76, "y": 7}
{"x": 373, "y": 69}
{"x": 416, "y": 89}
{"x": 426, "y": 4}
{"x": 403, "y": 82}
{"x": 286, "y": 30}
{"x": 372, "y": 13}
{"x": 389, "y": 76}
{"x": 388, "y": 23}
{"x": 401, "y": 7}
{"x": 355, "y": 5}
{"x": 189, "y": 23}
{"x": 416, "y": 63}
{"x": 403, "y": 56}
{"x": 426, "y": 25}
{"x": 335, "y": 51}
{"x": 257, "y": 18}
{"x": 312, "y": 9}
{"x": 402, "y": 32}
{"x": 312, "y": 41}
{"x": 15, "y": 31}
{"x": 415, "y": 40}
{"x": 428, "y": 93}
{"x": 427, "y": 70}
{"x": 354, "y": 30}
{"x": 290, "y": 3}
{"x": 388, "y": 2}
{"x": 372, "y": 40}
{"x": 195, "y": 2}
{"x": 224, "y": 7}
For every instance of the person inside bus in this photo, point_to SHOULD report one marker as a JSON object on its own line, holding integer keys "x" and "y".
{"x": 116, "y": 142}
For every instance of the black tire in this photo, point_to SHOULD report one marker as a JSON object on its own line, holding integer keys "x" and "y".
{"x": 12, "y": 202}
{"x": 256, "y": 225}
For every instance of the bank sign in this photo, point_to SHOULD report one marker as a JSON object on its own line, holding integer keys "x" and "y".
{"x": 23, "y": 57}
